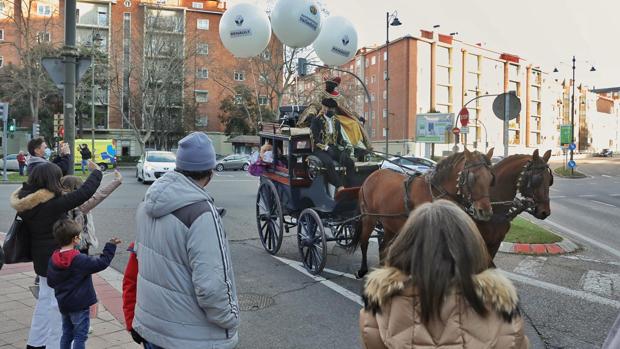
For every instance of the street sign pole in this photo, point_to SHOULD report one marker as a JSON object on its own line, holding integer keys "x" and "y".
{"x": 70, "y": 60}
{"x": 506, "y": 115}
{"x": 5, "y": 138}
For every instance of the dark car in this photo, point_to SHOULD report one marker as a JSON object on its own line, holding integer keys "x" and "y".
{"x": 233, "y": 162}
{"x": 604, "y": 153}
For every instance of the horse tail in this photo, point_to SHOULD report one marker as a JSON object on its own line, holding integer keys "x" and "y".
{"x": 359, "y": 225}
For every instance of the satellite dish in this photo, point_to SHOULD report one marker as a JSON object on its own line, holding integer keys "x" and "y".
{"x": 245, "y": 30}
{"x": 337, "y": 42}
{"x": 297, "y": 23}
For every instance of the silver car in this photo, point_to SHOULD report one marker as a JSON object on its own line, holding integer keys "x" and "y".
{"x": 11, "y": 163}
{"x": 409, "y": 164}
{"x": 233, "y": 162}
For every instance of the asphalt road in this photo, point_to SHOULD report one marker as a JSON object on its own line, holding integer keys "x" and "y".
{"x": 569, "y": 301}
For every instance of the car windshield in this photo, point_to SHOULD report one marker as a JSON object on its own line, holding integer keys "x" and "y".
{"x": 161, "y": 157}
{"x": 11, "y": 157}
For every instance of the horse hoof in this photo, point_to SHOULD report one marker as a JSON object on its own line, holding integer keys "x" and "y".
{"x": 360, "y": 274}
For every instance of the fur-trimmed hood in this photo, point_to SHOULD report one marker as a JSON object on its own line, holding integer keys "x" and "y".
{"x": 493, "y": 288}
{"x": 31, "y": 200}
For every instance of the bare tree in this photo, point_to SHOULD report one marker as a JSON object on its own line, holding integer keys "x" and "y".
{"x": 149, "y": 91}
{"x": 34, "y": 23}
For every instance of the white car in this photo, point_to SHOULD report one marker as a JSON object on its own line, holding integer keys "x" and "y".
{"x": 409, "y": 164}
{"x": 154, "y": 164}
{"x": 11, "y": 163}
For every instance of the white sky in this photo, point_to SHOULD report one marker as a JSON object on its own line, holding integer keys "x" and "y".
{"x": 545, "y": 32}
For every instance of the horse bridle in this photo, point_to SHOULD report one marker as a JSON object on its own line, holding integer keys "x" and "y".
{"x": 530, "y": 178}
{"x": 466, "y": 180}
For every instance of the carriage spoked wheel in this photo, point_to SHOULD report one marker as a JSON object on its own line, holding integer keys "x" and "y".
{"x": 269, "y": 219}
{"x": 311, "y": 241}
{"x": 344, "y": 234}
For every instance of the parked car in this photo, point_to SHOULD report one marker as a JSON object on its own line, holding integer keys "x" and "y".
{"x": 496, "y": 159}
{"x": 11, "y": 163}
{"x": 604, "y": 153}
{"x": 154, "y": 164}
{"x": 233, "y": 162}
{"x": 409, "y": 164}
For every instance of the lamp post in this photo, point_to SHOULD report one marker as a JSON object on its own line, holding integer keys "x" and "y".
{"x": 572, "y": 110}
{"x": 395, "y": 22}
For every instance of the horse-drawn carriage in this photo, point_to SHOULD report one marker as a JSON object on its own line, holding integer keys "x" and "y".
{"x": 294, "y": 192}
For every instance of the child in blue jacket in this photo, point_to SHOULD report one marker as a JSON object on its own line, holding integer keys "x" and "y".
{"x": 69, "y": 274}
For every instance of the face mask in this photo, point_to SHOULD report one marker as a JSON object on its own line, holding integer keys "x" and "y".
{"x": 48, "y": 153}
{"x": 329, "y": 113}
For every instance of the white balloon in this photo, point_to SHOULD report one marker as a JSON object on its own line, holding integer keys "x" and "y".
{"x": 296, "y": 22}
{"x": 337, "y": 42}
{"x": 245, "y": 30}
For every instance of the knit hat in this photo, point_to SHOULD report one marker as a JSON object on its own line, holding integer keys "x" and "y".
{"x": 195, "y": 153}
{"x": 329, "y": 102}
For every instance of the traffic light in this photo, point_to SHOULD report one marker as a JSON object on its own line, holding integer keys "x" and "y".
{"x": 12, "y": 126}
{"x": 35, "y": 130}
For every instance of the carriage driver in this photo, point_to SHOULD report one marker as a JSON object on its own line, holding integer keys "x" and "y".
{"x": 329, "y": 143}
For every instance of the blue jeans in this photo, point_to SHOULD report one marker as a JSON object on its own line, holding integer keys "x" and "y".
{"x": 84, "y": 165}
{"x": 75, "y": 329}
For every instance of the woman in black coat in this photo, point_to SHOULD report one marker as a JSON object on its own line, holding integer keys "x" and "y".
{"x": 40, "y": 202}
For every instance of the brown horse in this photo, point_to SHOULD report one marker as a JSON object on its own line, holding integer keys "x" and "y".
{"x": 387, "y": 197}
{"x": 526, "y": 175}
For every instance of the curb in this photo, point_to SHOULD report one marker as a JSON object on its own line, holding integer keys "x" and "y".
{"x": 557, "y": 248}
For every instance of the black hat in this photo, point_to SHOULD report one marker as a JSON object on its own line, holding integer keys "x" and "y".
{"x": 329, "y": 102}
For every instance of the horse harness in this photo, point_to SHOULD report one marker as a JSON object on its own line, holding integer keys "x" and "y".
{"x": 530, "y": 178}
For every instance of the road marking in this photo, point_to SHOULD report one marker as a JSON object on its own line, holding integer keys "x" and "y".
{"x": 603, "y": 203}
{"x": 562, "y": 290}
{"x": 558, "y": 197}
{"x": 355, "y": 298}
{"x": 615, "y": 194}
{"x": 568, "y": 231}
{"x": 531, "y": 266}
{"x": 600, "y": 282}
{"x": 584, "y": 259}
{"x": 586, "y": 196}
{"x": 607, "y": 176}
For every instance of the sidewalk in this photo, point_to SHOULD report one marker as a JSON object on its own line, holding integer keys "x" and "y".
{"x": 17, "y": 305}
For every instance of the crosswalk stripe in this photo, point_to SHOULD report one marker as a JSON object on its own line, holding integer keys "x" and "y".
{"x": 600, "y": 282}
{"x": 531, "y": 266}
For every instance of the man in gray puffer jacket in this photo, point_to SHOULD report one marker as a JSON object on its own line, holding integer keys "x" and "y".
{"x": 186, "y": 294}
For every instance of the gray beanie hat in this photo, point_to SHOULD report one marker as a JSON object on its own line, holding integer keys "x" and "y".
{"x": 195, "y": 153}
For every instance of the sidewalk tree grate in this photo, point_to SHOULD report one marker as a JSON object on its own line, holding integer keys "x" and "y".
{"x": 254, "y": 302}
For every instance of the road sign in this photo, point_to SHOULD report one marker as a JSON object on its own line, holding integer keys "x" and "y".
{"x": 572, "y": 164}
{"x": 566, "y": 134}
{"x": 514, "y": 105}
{"x": 433, "y": 127}
{"x": 55, "y": 67}
{"x": 464, "y": 130}
{"x": 572, "y": 146}
{"x": 464, "y": 117}
{"x": 456, "y": 131}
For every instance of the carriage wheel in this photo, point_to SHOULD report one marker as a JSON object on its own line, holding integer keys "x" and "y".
{"x": 344, "y": 234}
{"x": 269, "y": 218}
{"x": 311, "y": 241}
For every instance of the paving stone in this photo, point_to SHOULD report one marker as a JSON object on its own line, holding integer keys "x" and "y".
{"x": 506, "y": 247}
{"x": 105, "y": 328}
{"x": 105, "y": 316}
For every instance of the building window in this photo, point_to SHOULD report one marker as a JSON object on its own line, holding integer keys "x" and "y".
{"x": 384, "y": 113}
{"x": 203, "y": 24}
{"x": 44, "y": 10}
{"x": 102, "y": 16}
{"x": 1, "y": 61}
{"x": 385, "y": 76}
{"x": 384, "y": 132}
{"x": 1, "y": 34}
{"x": 263, "y": 100}
{"x": 373, "y": 60}
{"x": 202, "y": 96}
{"x": 384, "y": 94}
{"x": 266, "y": 54}
{"x": 44, "y": 37}
{"x": 238, "y": 99}
{"x": 367, "y": 62}
{"x": 202, "y": 121}
{"x": 239, "y": 76}
{"x": 197, "y": 5}
{"x": 202, "y": 49}
{"x": 373, "y": 79}
{"x": 372, "y": 97}
{"x": 385, "y": 56}
{"x": 202, "y": 73}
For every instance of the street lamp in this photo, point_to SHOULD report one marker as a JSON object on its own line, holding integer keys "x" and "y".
{"x": 395, "y": 22}
{"x": 572, "y": 108}
{"x": 96, "y": 43}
